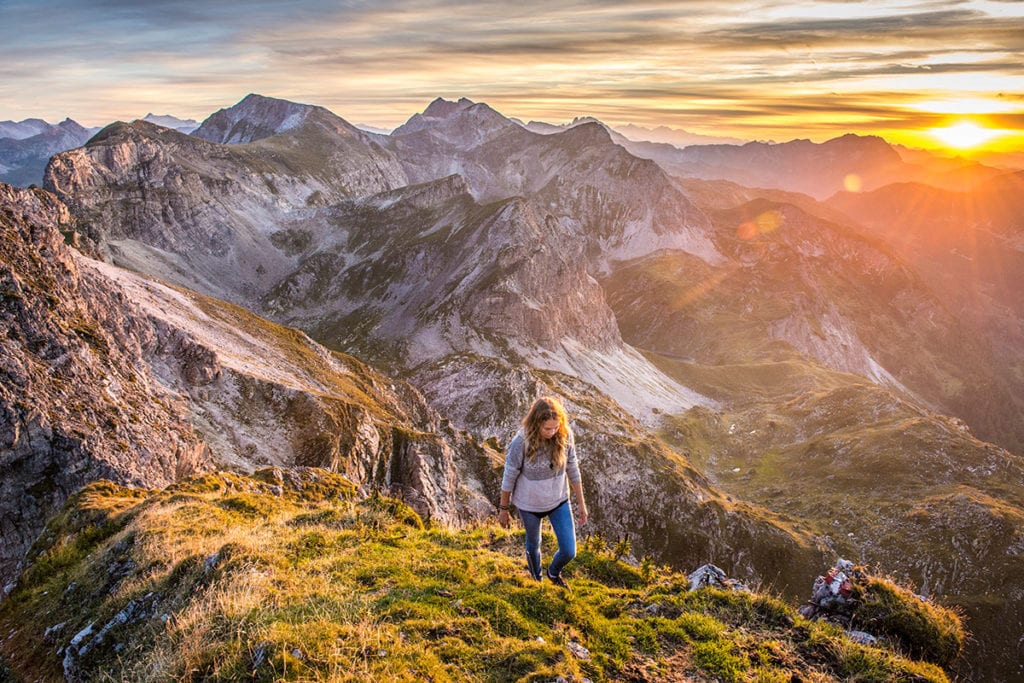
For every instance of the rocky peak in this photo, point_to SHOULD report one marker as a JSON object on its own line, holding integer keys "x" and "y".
{"x": 72, "y": 126}
{"x": 34, "y": 207}
{"x": 587, "y": 133}
{"x": 255, "y": 117}
{"x": 861, "y": 149}
{"x": 463, "y": 122}
{"x": 441, "y": 108}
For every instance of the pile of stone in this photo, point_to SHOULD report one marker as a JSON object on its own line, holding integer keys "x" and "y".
{"x": 835, "y": 597}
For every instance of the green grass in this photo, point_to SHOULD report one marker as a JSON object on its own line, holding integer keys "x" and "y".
{"x": 224, "y": 577}
{"x": 918, "y": 627}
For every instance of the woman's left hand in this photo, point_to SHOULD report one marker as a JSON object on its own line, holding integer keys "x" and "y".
{"x": 584, "y": 515}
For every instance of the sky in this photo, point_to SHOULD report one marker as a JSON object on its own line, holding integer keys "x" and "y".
{"x": 750, "y": 69}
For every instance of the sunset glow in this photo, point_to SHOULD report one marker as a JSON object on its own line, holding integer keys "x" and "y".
{"x": 964, "y": 135}
{"x": 746, "y": 70}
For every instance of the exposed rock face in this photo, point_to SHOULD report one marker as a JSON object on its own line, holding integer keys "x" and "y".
{"x": 410, "y": 276}
{"x": 447, "y": 275}
{"x": 266, "y": 395}
{"x": 77, "y": 402}
{"x": 109, "y": 375}
{"x": 618, "y": 205}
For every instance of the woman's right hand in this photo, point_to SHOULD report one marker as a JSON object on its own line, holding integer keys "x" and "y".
{"x": 503, "y": 518}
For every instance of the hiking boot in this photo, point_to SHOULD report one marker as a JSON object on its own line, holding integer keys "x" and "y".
{"x": 558, "y": 581}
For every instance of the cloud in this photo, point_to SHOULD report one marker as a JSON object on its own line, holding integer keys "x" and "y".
{"x": 718, "y": 66}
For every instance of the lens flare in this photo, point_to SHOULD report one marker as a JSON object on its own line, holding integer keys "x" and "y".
{"x": 852, "y": 183}
{"x": 766, "y": 222}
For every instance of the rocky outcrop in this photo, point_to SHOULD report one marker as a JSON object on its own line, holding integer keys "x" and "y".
{"x": 412, "y": 275}
{"x": 264, "y": 395}
{"x": 254, "y": 118}
{"x": 447, "y": 275}
{"x": 77, "y": 402}
{"x": 208, "y": 216}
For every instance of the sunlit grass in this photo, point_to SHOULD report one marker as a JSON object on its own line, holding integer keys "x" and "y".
{"x": 241, "y": 580}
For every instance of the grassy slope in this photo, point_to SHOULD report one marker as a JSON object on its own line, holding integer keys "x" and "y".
{"x": 287, "y": 575}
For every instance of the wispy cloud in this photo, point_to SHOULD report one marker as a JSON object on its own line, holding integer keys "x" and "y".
{"x": 756, "y": 68}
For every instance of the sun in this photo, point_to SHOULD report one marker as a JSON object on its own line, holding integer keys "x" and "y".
{"x": 964, "y": 135}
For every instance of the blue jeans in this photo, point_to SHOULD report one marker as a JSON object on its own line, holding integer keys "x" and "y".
{"x": 565, "y": 531}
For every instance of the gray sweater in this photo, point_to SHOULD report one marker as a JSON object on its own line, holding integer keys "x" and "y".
{"x": 535, "y": 485}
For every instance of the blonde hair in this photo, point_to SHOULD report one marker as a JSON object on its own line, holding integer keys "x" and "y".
{"x": 544, "y": 409}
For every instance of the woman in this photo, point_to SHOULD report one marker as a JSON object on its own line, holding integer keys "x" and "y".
{"x": 540, "y": 468}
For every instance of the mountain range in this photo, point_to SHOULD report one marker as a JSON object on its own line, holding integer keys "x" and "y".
{"x": 26, "y": 146}
{"x": 757, "y": 378}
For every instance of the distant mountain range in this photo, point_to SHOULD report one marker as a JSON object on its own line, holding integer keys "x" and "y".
{"x": 180, "y": 125}
{"x": 19, "y": 130}
{"x": 25, "y": 152}
{"x": 817, "y": 169}
{"x": 26, "y": 146}
{"x": 757, "y": 377}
